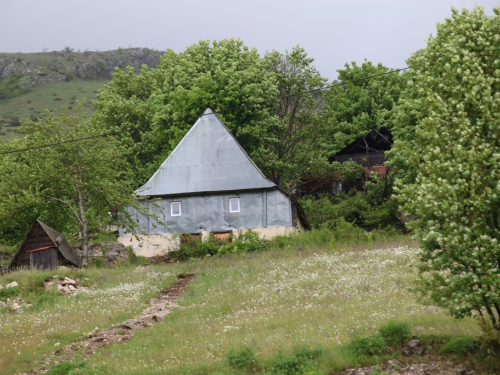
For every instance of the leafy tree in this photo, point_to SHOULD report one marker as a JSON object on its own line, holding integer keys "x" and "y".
{"x": 354, "y": 108}
{"x": 224, "y": 75}
{"x": 72, "y": 185}
{"x": 293, "y": 139}
{"x": 283, "y": 136}
{"x": 409, "y": 110}
{"x": 456, "y": 196}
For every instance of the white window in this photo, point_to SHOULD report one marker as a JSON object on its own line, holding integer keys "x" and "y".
{"x": 234, "y": 204}
{"x": 175, "y": 208}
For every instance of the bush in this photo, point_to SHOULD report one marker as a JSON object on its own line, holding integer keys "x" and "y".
{"x": 459, "y": 346}
{"x": 194, "y": 247}
{"x": 372, "y": 345}
{"x": 372, "y": 206}
{"x": 302, "y": 360}
{"x": 243, "y": 358}
{"x": 246, "y": 242}
{"x": 65, "y": 368}
{"x": 394, "y": 332}
{"x": 9, "y": 292}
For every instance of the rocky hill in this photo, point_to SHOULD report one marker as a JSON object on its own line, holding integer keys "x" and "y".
{"x": 31, "y": 83}
{"x": 34, "y": 69}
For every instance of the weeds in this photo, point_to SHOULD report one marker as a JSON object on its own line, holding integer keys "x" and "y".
{"x": 459, "y": 346}
{"x": 243, "y": 358}
{"x": 9, "y": 292}
{"x": 373, "y": 345}
{"x": 395, "y": 332}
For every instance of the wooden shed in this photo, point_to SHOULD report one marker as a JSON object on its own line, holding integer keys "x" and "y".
{"x": 44, "y": 248}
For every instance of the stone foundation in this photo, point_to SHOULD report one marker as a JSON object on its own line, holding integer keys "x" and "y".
{"x": 154, "y": 245}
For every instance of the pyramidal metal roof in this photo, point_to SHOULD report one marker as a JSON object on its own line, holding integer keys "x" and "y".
{"x": 207, "y": 159}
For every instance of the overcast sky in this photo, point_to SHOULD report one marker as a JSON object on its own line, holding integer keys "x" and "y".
{"x": 332, "y": 32}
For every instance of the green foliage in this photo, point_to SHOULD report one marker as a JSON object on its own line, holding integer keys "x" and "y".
{"x": 14, "y": 85}
{"x": 373, "y": 345}
{"x": 455, "y": 199}
{"x": 98, "y": 262}
{"x": 301, "y": 360}
{"x": 219, "y": 74}
{"x": 73, "y": 186}
{"x": 490, "y": 343}
{"x": 66, "y": 368}
{"x": 395, "y": 332}
{"x": 9, "y": 293}
{"x": 193, "y": 247}
{"x": 372, "y": 206}
{"x": 292, "y": 146}
{"x": 246, "y": 242}
{"x": 243, "y": 358}
{"x": 354, "y": 108}
{"x": 459, "y": 346}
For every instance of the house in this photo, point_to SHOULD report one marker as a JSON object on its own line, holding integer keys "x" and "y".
{"x": 209, "y": 184}
{"x": 44, "y": 248}
{"x": 367, "y": 151}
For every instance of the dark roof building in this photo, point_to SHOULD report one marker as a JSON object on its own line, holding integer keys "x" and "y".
{"x": 44, "y": 248}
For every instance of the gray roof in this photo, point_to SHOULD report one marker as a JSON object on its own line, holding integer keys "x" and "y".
{"x": 207, "y": 159}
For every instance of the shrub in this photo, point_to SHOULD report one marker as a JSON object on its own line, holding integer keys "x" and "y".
{"x": 372, "y": 345}
{"x": 243, "y": 358}
{"x": 9, "y": 292}
{"x": 98, "y": 262}
{"x": 302, "y": 360}
{"x": 194, "y": 247}
{"x": 395, "y": 332}
{"x": 246, "y": 242}
{"x": 459, "y": 346}
{"x": 65, "y": 368}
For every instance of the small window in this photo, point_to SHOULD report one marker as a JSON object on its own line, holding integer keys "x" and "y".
{"x": 175, "y": 208}
{"x": 234, "y": 204}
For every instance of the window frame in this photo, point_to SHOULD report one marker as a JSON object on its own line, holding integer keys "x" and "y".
{"x": 231, "y": 208}
{"x": 172, "y": 209}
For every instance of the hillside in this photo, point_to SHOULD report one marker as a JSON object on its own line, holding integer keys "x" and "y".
{"x": 33, "y": 82}
{"x": 282, "y": 311}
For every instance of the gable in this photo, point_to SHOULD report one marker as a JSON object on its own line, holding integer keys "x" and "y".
{"x": 41, "y": 236}
{"x": 207, "y": 159}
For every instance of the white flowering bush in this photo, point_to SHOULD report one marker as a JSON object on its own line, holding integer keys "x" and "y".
{"x": 456, "y": 196}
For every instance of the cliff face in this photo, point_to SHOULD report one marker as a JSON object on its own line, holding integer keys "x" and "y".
{"x": 41, "y": 68}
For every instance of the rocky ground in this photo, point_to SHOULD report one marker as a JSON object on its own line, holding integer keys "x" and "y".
{"x": 108, "y": 253}
{"x": 41, "y": 68}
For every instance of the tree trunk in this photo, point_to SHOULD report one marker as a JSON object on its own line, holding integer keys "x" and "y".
{"x": 83, "y": 220}
{"x": 85, "y": 245}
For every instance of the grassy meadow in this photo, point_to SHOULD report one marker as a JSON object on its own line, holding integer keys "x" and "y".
{"x": 275, "y": 303}
{"x": 52, "y": 96}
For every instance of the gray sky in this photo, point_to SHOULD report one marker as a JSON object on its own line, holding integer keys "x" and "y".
{"x": 332, "y": 32}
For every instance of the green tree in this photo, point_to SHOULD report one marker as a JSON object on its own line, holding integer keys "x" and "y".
{"x": 292, "y": 146}
{"x": 354, "y": 108}
{"x": 456, "y": 196}
{"x": 409, "y": 110}
{"x": 225, "y": 75}
{"x": 72, "y": 184}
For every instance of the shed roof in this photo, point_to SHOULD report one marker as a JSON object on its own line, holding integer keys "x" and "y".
{"x": 375, "y": 141}
{"x": 207, "y": 159}
{"x": 57, "y": 239}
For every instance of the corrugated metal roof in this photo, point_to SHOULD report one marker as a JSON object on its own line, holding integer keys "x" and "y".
{"x": 207, "y": 159}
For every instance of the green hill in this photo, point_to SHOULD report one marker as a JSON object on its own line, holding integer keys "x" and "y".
{"x": 33, "y": 82}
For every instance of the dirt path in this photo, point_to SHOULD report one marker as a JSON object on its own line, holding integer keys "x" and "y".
{"x": 158, "y": 307}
